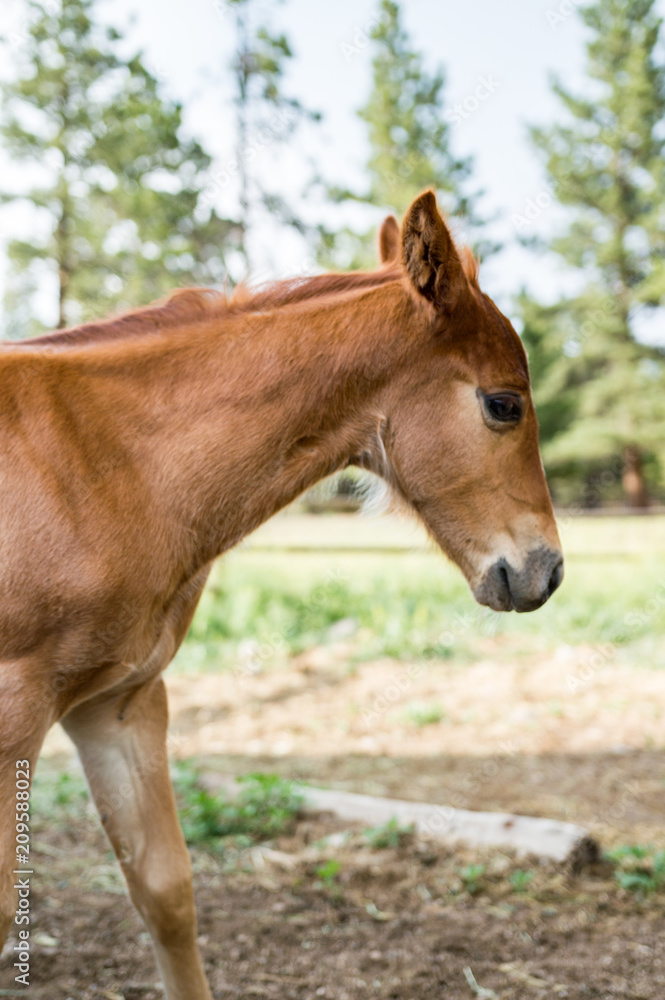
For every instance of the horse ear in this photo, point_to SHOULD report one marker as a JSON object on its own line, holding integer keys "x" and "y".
{"x": 389, "y": 240}
{"x": 429, "y": 255}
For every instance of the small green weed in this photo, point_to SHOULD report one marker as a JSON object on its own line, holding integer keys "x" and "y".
{"x": 471, "y": 876}
{"x": 639, "y": 868}
{"x": 390, "y": 834}
{"x": 422, "y": 713}
{"x": 329, "y": 871}
{"x": 520, "y": 880}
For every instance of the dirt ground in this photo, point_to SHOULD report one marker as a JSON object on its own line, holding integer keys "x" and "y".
{"x": 394, "y": 923}
{"x": 401, "y": 922}
{"x": 573, "y": 699}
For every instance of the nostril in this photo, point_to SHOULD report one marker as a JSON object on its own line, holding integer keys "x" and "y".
{"x": 555, "y": 578}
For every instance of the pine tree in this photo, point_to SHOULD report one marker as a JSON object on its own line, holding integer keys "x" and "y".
{"x": 409, "y": 137}
{"x": 121, "y": 189}
{"x": 600, "y": 389}
{"x": 264, "y": 115}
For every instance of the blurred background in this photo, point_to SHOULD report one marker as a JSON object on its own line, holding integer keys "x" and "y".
{"x": 147, "y": 146}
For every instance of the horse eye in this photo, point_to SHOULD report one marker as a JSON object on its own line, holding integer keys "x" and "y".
{"x": 505, "y": 408}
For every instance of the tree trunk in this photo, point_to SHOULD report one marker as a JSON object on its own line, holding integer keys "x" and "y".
{"x": 63, "y": 279}
{"x": 634, "y": 486}
{"x": 62, "y": 255}
{"x": 243, "y": 75}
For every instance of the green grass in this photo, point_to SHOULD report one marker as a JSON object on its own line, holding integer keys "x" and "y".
{"x": 639, "y": 868}
{"x": 265, "y": 807}
{"x": 57, "y": 797}
{"x": 263, "y": 606}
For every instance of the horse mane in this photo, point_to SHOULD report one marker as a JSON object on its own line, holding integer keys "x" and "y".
{"x": 198, "y": 305}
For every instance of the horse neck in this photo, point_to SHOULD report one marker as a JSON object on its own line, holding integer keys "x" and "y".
{"x": 246, "y": 418}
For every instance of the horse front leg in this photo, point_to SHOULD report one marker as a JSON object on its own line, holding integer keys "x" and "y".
{"x": 121, "y": 740}
{"x": 27, "y": 709}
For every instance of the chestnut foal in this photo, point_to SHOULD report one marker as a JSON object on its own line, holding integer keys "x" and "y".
{"x": 134, "y": 451}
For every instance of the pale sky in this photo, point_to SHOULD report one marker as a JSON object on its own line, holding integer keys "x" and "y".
{"x": 498, "y": 57}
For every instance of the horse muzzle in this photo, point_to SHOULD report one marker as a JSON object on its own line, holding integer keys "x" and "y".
{"x": 503, "y": 588}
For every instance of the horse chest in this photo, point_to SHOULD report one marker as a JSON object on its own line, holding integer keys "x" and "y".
{"x": 144, "y": 650}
